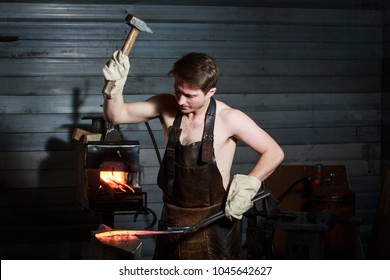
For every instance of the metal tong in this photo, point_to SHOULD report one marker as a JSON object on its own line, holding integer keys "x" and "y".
{"x": 175, "y": 230}
{"x": 209, "y": 220}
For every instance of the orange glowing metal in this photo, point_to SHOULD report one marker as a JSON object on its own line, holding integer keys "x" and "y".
{"x": 129, "y": 234}
{"x": 116, "y": 180}
{"x": 119, "y": 235}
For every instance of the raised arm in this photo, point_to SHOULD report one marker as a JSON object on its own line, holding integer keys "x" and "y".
{"x": 115, "y": 109}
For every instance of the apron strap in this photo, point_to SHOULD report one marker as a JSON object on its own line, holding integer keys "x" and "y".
{"x": 208, "y": 134}
{"x": 173, "y": 137}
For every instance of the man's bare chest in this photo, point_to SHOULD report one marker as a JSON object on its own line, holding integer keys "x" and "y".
{"x": 191, "y": 133}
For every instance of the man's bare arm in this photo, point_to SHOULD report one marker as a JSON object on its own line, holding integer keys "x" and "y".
{"x": 247, "y": 131}
{"x": 117, "y": 111}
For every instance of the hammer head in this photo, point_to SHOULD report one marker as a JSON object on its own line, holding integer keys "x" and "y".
{"x": 137, "y": 23}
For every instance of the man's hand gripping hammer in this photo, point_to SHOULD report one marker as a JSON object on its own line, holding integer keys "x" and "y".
{"x": 137, "y": 25}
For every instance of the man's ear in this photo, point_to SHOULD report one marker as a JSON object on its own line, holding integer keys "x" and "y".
{"x": 211, "y": 92}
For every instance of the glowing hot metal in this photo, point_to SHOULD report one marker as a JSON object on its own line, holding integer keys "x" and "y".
{"x": 128, "y": 234}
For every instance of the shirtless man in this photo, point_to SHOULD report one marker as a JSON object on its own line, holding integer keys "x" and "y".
{"x": 201, "y": 136}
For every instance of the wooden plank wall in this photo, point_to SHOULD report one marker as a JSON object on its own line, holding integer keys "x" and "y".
{"x": 307, "y": 72}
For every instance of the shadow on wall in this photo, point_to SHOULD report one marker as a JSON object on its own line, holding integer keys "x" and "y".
{"x": 59, "y": 165}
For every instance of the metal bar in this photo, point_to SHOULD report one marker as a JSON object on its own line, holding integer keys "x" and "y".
{"x": 174, "y": 230}
{"x": 207, "y": 221}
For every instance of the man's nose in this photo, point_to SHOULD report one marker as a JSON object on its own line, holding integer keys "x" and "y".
{"x": 181, "y": 99}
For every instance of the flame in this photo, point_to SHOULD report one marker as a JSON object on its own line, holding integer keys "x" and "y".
{"x": 116, "y": 180}
{"x": 110, "y": 176}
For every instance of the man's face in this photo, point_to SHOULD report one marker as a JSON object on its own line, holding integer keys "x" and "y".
{"x": 188, "y": 97}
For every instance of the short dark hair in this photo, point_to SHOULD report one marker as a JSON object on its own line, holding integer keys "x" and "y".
{"x": 198, "y": 69}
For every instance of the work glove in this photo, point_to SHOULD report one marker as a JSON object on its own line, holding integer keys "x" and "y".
{"x": 116, "y": 69}
{"x": 242, "y": 190}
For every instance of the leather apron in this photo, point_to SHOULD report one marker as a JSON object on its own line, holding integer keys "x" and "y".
{"x": 193, "y": 190}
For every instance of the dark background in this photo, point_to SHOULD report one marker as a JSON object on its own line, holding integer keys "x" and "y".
{"x": 314, "y": 74}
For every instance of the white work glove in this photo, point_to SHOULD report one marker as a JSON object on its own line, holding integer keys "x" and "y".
{"x": 242, "y": 190}
{"x": 116, "y": 69}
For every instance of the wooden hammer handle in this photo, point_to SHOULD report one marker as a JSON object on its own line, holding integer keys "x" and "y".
{"x": 128, "y": 44}
{"x": 126, "y": 48}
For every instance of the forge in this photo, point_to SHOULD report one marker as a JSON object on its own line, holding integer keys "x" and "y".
{"x": 109, "y": 175}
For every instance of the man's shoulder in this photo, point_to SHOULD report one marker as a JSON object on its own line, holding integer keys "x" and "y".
{"x": 232, "y": 118}
{"x": 222, "y": 106}
{"x": 163, "y": 97}
{"x": 224, "y": 110}
{"x": 166, "y": 103}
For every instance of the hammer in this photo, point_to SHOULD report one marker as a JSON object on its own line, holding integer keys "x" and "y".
{"x": 137, "y": 25}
